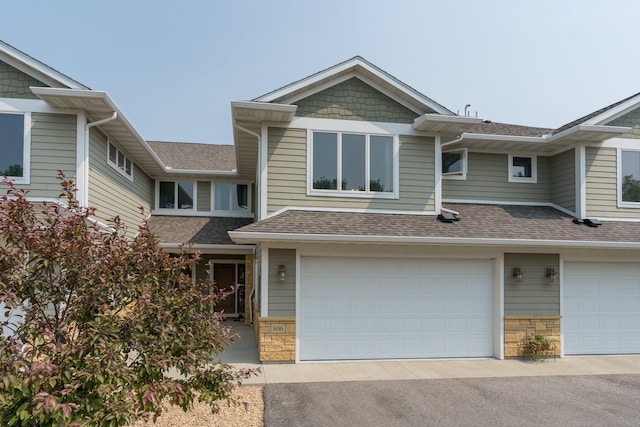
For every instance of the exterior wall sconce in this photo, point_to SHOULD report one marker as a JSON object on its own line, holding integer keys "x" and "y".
{"x": 551, "y": 274}
{"x": 517, "y": 273}
{"x": 281, "y": 272}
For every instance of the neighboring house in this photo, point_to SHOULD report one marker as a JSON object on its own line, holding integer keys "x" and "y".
{"x": 371, "y": 221}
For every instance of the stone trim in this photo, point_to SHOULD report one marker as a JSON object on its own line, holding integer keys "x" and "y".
{"x": 518, "y": 327}
{"x": 277, "y": 339}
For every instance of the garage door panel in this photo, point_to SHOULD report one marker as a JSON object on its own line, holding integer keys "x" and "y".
{"x": 601, "y": 308}
{"x": 397, "y": 309}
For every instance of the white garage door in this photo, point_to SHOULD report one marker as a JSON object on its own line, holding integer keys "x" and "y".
{"x": 601, "y": 309}
{"x": 382, "y": 308}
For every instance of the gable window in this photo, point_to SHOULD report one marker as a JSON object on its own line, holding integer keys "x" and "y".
{"x": 522, "y": 169}
{"x": 119, "y": 161}
{"x": 351, "y": 164}
{"x": 231, "y": 197}
{"x": 629, "y": 177}
{"x": 175, "y": 195}
{"x": 15, "y": 146}
{"x": 454, "y": 164}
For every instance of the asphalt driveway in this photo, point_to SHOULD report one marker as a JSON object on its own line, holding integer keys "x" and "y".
{"x": 599, "y": 400}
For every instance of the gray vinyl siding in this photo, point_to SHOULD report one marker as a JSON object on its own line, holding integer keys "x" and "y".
{"x": 15, "y": 84}
{"x": 287, "y": 176}
{"x": 534, "y": 296}
{"x": 488, "y": 180}
{"x": 602, "y": 185}
{"x": 53, "y": 148}
{"x": 632, "y": 120}
{"x": 282, "y": 294}
{"x": 204, "y": 196}
{"x": 111, "y": 192}
{"x": 563, "y": 178}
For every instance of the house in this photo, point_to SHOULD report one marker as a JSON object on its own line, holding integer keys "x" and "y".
{"x": 367, "y": 221}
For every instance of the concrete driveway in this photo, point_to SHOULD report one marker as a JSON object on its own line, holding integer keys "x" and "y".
{"x": 598, "y": 400}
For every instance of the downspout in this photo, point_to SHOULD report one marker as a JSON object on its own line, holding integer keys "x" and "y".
{"x": 444, "y": 144}
{"x": 84, "y": 197}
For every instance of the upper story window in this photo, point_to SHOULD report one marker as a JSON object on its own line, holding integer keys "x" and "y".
{"x": 15, "y": 146}
{"x": 523, "y": 169}
{"x": 119, "y": 161}
{"x": 350, "y": 164}
{"x": 175, "y": 195}
{"x": 231, "y": 197}
{"x": 454, "y": 164}
{"x": 629, "y": 178}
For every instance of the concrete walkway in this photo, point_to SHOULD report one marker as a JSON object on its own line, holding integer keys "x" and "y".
{"x": 244, "y": 354}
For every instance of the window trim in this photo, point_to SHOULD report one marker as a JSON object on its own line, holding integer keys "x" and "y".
{"x": 622, "y": 203}
{"x": 533, "y": 179}
{"x": 213, "y": 197}
{"x": 394, "y": 194}
{"x": 456, "y": 175}
{"x": 115, "y": 165}
{"x": 25, "y": 179}
{"x": 194, "y": 207}
{"x": 157, "y": 210}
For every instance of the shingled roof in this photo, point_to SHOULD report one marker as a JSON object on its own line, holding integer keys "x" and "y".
{"x": 496, "y": 128}
{"x": 193, "y": 156}
{"x": 483, "y": 222}
{"x": 195, "y": 230}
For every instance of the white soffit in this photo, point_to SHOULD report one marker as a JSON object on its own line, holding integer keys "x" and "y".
{"x": 445, "y": 123}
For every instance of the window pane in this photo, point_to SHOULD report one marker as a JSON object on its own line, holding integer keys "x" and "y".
{"x": 240, "y": 200}
{"x": 453, "y": 162}
{"x": 167, "y": 195}
{"x": 353, "y": 162}
{"x": 223, "y": 192}
{"x": 127, "y": 169}
{"x": 381, "y": 163}
{"x": 325, "y": 161}
{"x": 120, "y": 160}
{"x": 630, "y": 176}
{"x": 185, "y": 195}
{"x": 11, "y": 144}
{"x": 113, "y": 153}
{"x": 521, "y": 167}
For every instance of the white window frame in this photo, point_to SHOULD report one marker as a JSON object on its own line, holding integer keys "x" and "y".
{"x": 194, "y": 207}
{"x": 339, "y": 192}
{"x": 621, "y": 203}
{"x": 533, "y": 179}
{"x": 231, "y": 200}
{"x": 456, "y": 175}
{"x": 115, "y": 166}
{"x": 26, "y": 149}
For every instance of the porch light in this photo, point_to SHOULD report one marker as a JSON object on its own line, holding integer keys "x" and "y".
{"x": 551, "y": 274}
{"x": 517, "y": 273}
{"x": 281, "y": 272}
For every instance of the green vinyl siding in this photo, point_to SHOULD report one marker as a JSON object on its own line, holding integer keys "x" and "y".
{"x": 53, "y": 148}
{"x": 282, "y": 293}
{"x": 534, "y": 295}
{"x": 287, "y": 176}
{"x": 632, "y": 120}
{"x": 204, "y": 196}
{"x": 15, "y": 84}
{"x": 111, "y": 192}
{"x": 488, "y": 180}
{"x": 563, "y": 177}
{"x": 354, "y": 100}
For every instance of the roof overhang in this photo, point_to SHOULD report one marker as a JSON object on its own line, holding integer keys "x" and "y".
{"x": 254, "y": 237}
{"x": 445, "y": 123}
{"x": 225, "y": 249}
{"x": 545, "y": 144}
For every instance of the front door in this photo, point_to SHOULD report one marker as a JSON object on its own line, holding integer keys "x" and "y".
{"x": 225, "y": 277}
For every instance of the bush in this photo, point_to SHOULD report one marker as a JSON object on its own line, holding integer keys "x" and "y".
{"x": 97, "y": 320}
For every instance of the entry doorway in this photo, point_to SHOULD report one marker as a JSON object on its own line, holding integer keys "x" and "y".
{"x": 225, "y": 275}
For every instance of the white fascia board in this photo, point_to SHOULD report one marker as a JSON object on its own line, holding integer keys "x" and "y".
{"x": 242, "y": 237}
{"x": 606, "y": 130}
{"x": 265, "y": 106}
{"x": 494, "y": 137}
{"x": 443, "y": 118}
{"x": 208, "y": 248}
{"x": 615, "y": 112}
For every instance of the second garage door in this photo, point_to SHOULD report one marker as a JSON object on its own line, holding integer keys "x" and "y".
{"x": 384, "y": 308}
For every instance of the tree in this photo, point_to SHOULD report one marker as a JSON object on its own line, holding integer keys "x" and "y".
{"x": 96, "y": 321}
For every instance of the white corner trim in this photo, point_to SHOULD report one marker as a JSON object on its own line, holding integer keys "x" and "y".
{"x": 264, "y": 281}
{"x": 298, "y": 304}
{"x": 82, "y": 160}
{"x": 438, "y": 174}
{"x": 581, "y": 181}
{"x": 263, "y": 167}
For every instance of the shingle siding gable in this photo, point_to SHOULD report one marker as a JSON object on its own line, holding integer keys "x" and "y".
{"x": 632, "y": 120}
{"x": 15, "y": 84}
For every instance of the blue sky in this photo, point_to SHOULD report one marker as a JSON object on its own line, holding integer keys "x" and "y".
{"x": 174, "y": 66}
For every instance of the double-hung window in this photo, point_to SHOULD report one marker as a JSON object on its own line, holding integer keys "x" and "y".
{"x": 353, "y": 164}
{"x": 523, "y": 168}
{"x": 15, "y": 146}
{"x": 629, "y": 178}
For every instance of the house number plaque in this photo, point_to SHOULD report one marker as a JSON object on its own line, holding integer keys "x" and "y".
{"x": 277, "y": 329}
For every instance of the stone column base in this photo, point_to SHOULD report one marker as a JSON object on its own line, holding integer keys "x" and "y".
{"x": 518, "y": 327}
{"x": 277, "y": 339}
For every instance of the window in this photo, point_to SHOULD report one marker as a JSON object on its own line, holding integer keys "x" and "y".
{"x": 454, "y": 164}
{"x": 15, "y": 146}
{"x": 119, "y": 161}
{"x": 522, "y": 169}
{"x": 175, "y": 195}
{"x": 629, "y": 177}
{"x": 231, "y": 197}
{"x": 352, "y": 164}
